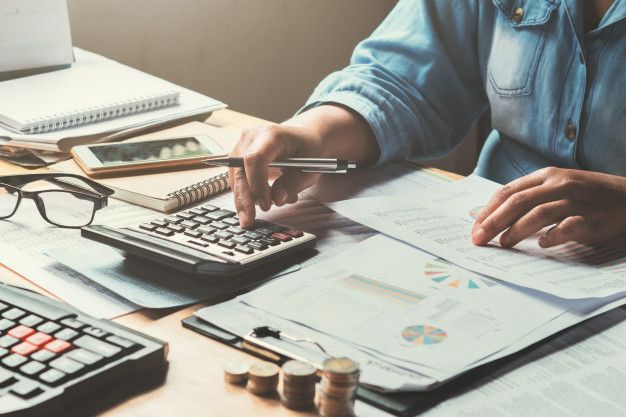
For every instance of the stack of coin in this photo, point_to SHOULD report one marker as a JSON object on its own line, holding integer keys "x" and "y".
{"x": 298, "y": 385}
{"x": 262, "y": 378}
{"x": 340, "y": 378}
{"x": 236, "y": 373}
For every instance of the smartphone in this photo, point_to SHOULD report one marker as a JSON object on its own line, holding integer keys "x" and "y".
{"x": 145, "y": 155}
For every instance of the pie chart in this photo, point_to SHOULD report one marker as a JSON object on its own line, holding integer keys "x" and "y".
{"x": 424, "y": 334}
{"x": 446, "y": 274}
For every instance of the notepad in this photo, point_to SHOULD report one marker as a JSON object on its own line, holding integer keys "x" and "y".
{"x": 92, "y": 90}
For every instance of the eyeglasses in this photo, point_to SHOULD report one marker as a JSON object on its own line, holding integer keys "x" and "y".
{"x": 74, "y": 206}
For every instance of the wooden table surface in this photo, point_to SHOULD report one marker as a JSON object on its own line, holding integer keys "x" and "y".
{"x": 194, "y": 384}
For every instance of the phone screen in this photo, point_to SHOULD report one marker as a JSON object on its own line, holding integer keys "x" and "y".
{"x": 149, "y": 151}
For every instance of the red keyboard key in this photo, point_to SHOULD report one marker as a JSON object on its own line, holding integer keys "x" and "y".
{"x": 294, "y": 233}
{"x": 21, "y": 332}
{"x": 24, "y": 348}
{"x": 58, "y": 346}
{"x": 39, "y": 339}
{"x": 281, "y": 236}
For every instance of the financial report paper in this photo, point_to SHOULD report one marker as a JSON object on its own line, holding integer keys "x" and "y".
{"x": 439, "y": 220}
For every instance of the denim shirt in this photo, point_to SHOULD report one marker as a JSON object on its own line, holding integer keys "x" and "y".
{"x": 557, "y": 94}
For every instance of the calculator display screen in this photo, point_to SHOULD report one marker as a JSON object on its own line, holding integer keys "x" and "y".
{"x": 149, "y": 151}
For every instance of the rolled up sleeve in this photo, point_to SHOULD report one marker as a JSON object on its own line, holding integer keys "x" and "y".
{"x": 416, "y": 80}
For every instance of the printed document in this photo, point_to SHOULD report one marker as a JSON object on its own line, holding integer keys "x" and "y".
{"x": 439, "y": 220}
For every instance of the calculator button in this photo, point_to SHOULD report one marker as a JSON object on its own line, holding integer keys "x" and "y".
{"x": 21, "y": 332}
{"x": 233, "y": 221}
{"x": 96, "y": 331}
{"x": 43, "y": 355}
{"x": 147, "y": 226}
{"x": 220, "y": 214}
{"x": 32, "y": 368}
{"x": 197, "y": 243}
{"x": 31, "y": 320}
{"x": 66, "y": 334}
{"x": 178, "y": 228}
{"x": 229, "y": 253}
{"x": 294, "y": 233}
{"x": 14, "y": 360}
{"x": 253, "y": 235}
{"x": 281, "y": 236}
{"x": 198, "y": 211}
{"x": 258, "y": 245}
{"x": 276, "y": 227}
{"x": 13, "y": 314}
{"x": 7, "y": 341}
{"x": 3, "y": 306}
{"x": 192, "y": 233}
{"x": 26, "y": 389}
{"x": 73, "y": 323}
{"x": 188, "y": 224}
{"x": 165, "y": 232}
{"x": 201, "y": 220}
{"x": 185, "y": 215}
{"x": 173, "y": 219}
{"x": 240, "y": 240}
{"x": 6, "y": 324}
{"x": 219, "y": 225}
{"x": 209, "y": 207}
{"x": 58, "y": 346}
{"x": 207, "y": 230}
{"x": 270, "y": 241}
{"x": 210, "y": 239}
{"x": 125, "y": 343}
{"x": 84, "y": 356}
{"x": 97, "y": 346}
{"x": 264, "y": 231}
{"x": 159, "y": 223}
{"x": 236, "y": 230}
{"x": 6, "y": 379}
{"x": 39, "y": 339}
{"x": 24, "y": 349}
{"x": 51, "y": 376}
{"x": 226, "y": 244}
{"x": 67, "y": 365}
{"x": 244, "y": 249}
{"x": 223, "y": 235}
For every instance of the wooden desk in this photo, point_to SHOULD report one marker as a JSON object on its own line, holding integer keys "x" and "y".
{"x": 194, "y": 386}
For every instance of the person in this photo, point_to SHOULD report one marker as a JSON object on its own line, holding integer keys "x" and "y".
{"x": 551, "y": 74}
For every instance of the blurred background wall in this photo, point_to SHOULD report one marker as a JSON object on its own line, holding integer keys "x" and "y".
{"x": 262, "y": 57}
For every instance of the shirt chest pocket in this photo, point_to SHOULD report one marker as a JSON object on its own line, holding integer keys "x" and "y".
{"x": 518, "y": 39}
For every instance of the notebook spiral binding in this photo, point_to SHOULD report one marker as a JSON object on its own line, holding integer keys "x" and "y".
{"x": 200, "y": 190}
{"x": 102, "y": 112}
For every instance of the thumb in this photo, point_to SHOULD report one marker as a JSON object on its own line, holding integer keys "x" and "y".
{"x": 286, "y": 187}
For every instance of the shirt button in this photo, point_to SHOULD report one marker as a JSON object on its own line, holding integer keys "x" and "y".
{"x": 518, "y": 15}
{"x": 570, "y": 130}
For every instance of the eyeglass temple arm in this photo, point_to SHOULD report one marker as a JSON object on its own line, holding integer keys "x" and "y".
{"x": 23, "y": 179}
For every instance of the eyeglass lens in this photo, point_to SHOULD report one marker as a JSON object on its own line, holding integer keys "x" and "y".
{"x": 9, "y": 199}
{"x": 67, "y": 209}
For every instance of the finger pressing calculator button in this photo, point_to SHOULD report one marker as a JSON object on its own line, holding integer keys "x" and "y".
{"x": 244, "y": 249}
{"x": 165, "y": 232}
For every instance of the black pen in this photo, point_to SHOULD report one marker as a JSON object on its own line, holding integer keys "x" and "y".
{"x": 318, "y": 165}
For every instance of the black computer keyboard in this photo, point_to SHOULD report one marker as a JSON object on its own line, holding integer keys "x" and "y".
{"x": 52, "y": 355}
{"x": 206, "y": 240}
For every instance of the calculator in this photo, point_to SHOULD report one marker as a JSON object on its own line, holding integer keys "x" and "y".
{"x": 205, "y": 240}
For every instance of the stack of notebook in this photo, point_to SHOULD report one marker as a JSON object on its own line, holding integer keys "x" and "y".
{"x": 96, "y": 99}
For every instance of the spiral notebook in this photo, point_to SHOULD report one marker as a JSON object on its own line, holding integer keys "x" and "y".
{"x": 169, "y": 191}
{"x": 90, "y": 91}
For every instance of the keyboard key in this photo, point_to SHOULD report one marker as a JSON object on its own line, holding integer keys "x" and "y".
{"x": 209, "y": 207}
{"x": 14, "y": 360}
{"x": 67, "y": 365}
{"x": 31, "y": 320}
{"x": 236, "y": 230}
{"x": 188, "y": 224}
{"x": 39, "y": 339}
{"x": 253, "y": 235}
{"x": 240, "y": 240}
{"x": 7, "y": 341}
{"x": 13, "y": 314}
{"x": 165, "y": 232}
{"x": 223, "y": 235}
{"x": 66, "y": 334}
{"x": 281, "y": 236}
{"x": 32, "y": 368}
{"x": 73, "y": 323}
{"x": 219, "y": 225}
{"x": 43, "y": 355}
{"x": 226, "y": 244}
{"x": 173, "y": 219}
{"x": 270, "y": 241}
{"x": 198, "y": 243}
{"x": 49, "y": 327}
{"x": 97, "y": 346}
{"x": 125, "y": 343}
{"x": 6, "y": 324}
{"x": 198, "y": 211}
{"x": 210, "y": 239}
{"x": 96, "y": 332}
{"x": 201, "y": 220}
{"x": 293, "y": 233}
{"x": 21, "y": 332}
{"x": 159, "y": 223}
{"x": 220, "y": 214}
{"x": 26, "y": 389}
{"x": 3, "y": 352}
{"x": 51, "y": 376}
{"x": 84, "y": 356}
{"x": 6, "y": 378}
{"x": 24, "y": 349}
{"x": 178, "y": 228}
{"x": 229, "y": 253}
{"x": 3, "y": 306}
{"x": 185, "y": 215}
{"x": 232, "y": 221}
{"x": 147, "y": 226}
{"x": 58, "y": 346}
{"x": 264, "y": 231}
{"x": 207, "y": 230}
{"x": 258, "y": 245}
{"x": 192, "y": 233}
{"x": 244, "y": 249}
{"x": 276, "y": 227}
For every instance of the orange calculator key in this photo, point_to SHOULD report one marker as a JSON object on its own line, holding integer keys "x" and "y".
{"x": 21, "y": 332}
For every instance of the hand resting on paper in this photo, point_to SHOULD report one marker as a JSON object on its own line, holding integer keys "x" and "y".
{"x": 582, "y": 206}
{"x": 327, "y": 131}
